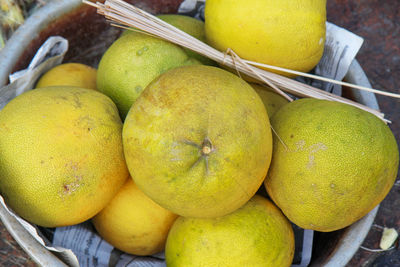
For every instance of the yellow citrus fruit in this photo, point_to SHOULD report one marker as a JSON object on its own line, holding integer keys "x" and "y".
{"x": 69, "y": 74}
{"x": 198, "y": 141}
{"x": 333, "y": 165}
{"x": 257, "y": 234}
{"x": 272, "y": 101}
{"x": 133, "y": 223}
{"x": 61, "y": 156}
{"x": 191, "y": 26}
{"x": 132, "y": 62}
{"x": 284, "y": 33}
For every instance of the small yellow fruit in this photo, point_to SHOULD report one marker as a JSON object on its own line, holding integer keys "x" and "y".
{"x": 257, "y": 234}
{"x": 284, "y": 33}
{"x": 331, "y": 165}
{"x": 132, "y": 62}
{"x": 61, "y": 156}
{"x": 191, "y": 26}
{"x": 272, "y": 101}
{"x": 198, "y": 141}
{"x": 133, "y": 223}
{"x": 69, "y": 74}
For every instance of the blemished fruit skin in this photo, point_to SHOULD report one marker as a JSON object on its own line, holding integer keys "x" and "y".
{"x": 283, "y": 33}
{"x": 257, "y": 234}
{"x": 69, "y": 74}
{"x": 133, "y": 223}
{"x": 192, "y": 26}
{"x": 272, "y": 101}
{"x": 61, "y": 155}
{"x": 198, "y": 141}
{"x": 332, "y": 163}
{"x": 132, "y": 62}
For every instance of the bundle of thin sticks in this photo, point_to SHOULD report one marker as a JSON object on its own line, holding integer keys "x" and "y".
{"x": 124, "y": 15}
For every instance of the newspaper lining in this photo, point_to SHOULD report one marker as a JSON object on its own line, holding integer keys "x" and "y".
{"x": 79, "y": 245}
{"x": 341, "y": 47}
{"x": 92, "y": 250}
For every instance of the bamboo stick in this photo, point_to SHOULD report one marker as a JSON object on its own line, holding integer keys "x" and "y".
{"x": 124, "y": 15}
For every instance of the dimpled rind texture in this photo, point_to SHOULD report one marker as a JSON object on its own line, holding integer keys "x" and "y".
{"x": 332, "y": 163}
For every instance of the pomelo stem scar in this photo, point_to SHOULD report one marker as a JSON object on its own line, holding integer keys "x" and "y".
{"x": 206, "y": 147}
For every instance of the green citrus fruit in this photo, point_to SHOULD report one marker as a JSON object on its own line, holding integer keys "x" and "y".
{"x": 61, "y": 157}
{"x": 198, "y": 141}
{"x": 132, "y": 62}
{"x": 284, "y": 33}
{"x": 332, "y": 163}
{"x": 133, "y": 223}
{"x": 257, "y": 234}
{"x": 69, "y": 74}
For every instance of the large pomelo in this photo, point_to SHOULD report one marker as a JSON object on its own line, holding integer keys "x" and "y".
{"x": 61, "y": 157}
{"x": 69, "y": 74}
{"x": 198, "y": 141}
{"x": 284, "y": 33}
{"x": 132, "y": 62}
{"x": 332, "y": 163}
{"x": 257, "y": 234}
{"x": 133, "y": 223}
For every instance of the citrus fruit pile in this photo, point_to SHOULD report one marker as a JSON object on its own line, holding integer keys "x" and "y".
{"x": 164, "y": 150}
